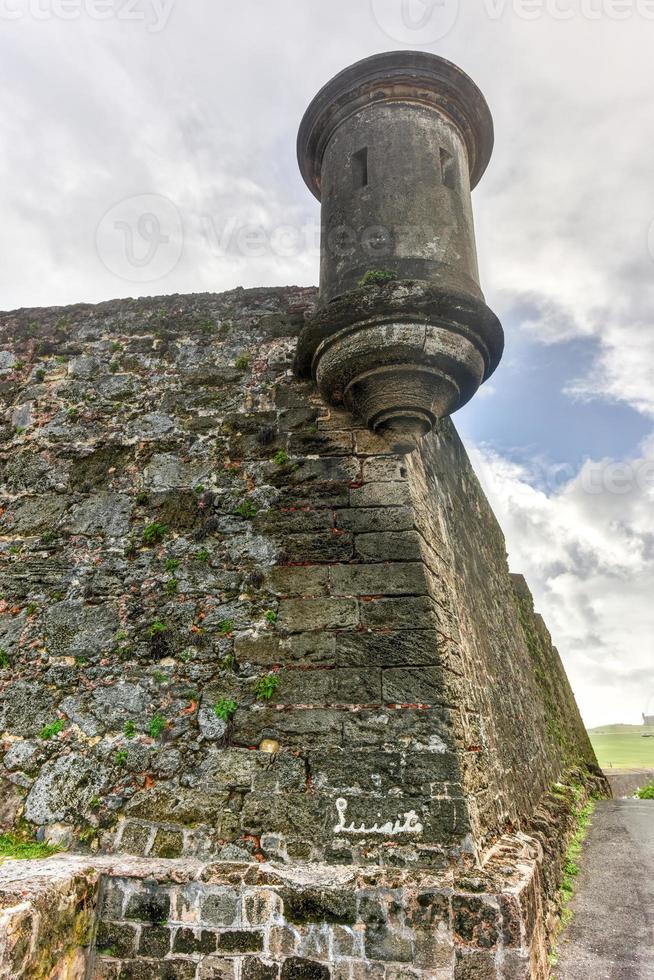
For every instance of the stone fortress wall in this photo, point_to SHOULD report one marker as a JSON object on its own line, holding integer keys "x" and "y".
{"x": 189, "y": 532}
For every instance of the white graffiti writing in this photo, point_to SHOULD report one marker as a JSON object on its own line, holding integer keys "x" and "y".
{"x": 411, "y": 824}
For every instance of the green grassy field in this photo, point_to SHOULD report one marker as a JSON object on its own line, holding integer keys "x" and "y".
{"x": 623, "y": 746}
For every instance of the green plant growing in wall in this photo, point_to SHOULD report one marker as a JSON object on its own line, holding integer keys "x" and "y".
{"x": 247, "y": 510}
{"x": 4, "y": 659}
{"x": 157, "y": 628}
{"x": 225, "y": 627}
{"x": 129, "y": 731}
{"x": 49, "y": 731}
{"x": 376, "y": 277}
{"x": 95, "y": 803}
{"x": 265, "y": 686}
{"x": 225, "y": 709}
{"x": 121, "y": 757}
{"x": 242, "y": 362}
{"x": 157, "y": 726}
{"x": 270, "y": 616}
{"x": 202, "y": 555}
{"x": 281, "y": 458}
{"x": 153, "y": 533}
{"x": 172, "y": 586}
{"x": 646, "y": 792}
{"x": 171, "y": 565}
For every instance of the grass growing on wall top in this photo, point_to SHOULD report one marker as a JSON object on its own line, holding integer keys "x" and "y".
{"x": 20, "y": 849}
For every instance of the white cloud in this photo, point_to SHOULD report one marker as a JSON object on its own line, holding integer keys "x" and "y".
{"x": 587, "y": 551}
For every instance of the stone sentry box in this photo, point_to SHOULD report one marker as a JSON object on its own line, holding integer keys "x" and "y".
{"x": 392, "y": 148}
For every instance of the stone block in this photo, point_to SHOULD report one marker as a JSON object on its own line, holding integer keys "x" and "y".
{"x": 308, "y": 580}
{"x": 260, "y": 906}
{"x": 335, "y": 442}
{"x": 63, "y": 789}
{"x": 294, "y": 729}
{"x": 382, "y": 943}
{"x": 347, "y": 941}
{"x": 427, "y": 730}
{"x": 221, "y": 908}
{"x": 412, "y": 685}
{"x": 194, "y": 941}
{"x": 114, "y": 939}
{"x": 113, "y": 898}
{"x": 240, "y": 941}
{"x": 471, "y": 965}
{"x": 388, "y": 546}
{"x": 363, "y": 520}
{"x": 173, "y": 969}
{"x": 381, "y": 495}
{"x": 283, "y": 941}
{"x": 384, "y": 579}
{"x": 135, "y": 838}
{"x": 297, "y": 968}
{"x": 154, "y": 941}
{"x": 511, "y": 921}
{"x": 283, "y": 773}
{"x": 475, "y": 921}
{"x": 516, "y": 966}
{"x": 406, "y": 613}
{"x": 168, "y": 844}
{"x": 299, "y": 615}
{"x": 335, "y": 686}
{"x": 384, "y": 469}
{"x": 103, "y": 514}
{"x": 256, "y": 969}
{"x": 151, "y": 904}
{"x": 294, "y": 813}
{"x": 431, "y": 951}
{"x": 303, "y": 648}
{"x": 329, "y": 547}
{"x": 217, "y": 968}
{"x": 411, "y": 648}
{"x": 365, "y": 971}
{"x": 319, "y": 905}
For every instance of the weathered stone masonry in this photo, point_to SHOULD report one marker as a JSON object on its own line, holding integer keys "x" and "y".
{"x": 183, "y": 518}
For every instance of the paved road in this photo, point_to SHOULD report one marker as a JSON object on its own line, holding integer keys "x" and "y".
{"x": 612, "y": 934}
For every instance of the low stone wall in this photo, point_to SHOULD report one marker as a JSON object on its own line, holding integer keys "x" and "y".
{"x": 173, "y": 919}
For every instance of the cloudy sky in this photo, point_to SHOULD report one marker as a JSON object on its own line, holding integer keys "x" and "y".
{"x": 188, "y": 110}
